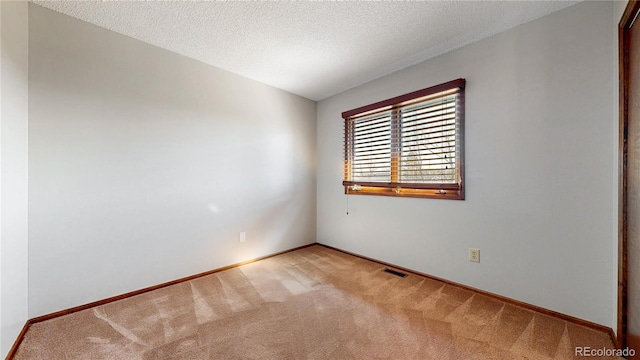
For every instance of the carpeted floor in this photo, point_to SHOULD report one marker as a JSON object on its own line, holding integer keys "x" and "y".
{"x": 313, "y": 303}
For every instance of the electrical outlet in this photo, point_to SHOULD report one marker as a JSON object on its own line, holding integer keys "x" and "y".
{"x": 474, "y": 255}
{"x": 243, "y": 236}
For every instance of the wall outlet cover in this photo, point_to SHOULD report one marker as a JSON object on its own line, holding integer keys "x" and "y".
{"x": 474, "y": 255}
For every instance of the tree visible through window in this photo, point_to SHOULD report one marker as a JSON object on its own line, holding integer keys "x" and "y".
{"x": 410, "y": 145}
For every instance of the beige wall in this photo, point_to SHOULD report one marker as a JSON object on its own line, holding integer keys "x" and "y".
{"x": 145, "y": 165}
{"x": 539, "y": 169}
{"x": 13, "y": 170}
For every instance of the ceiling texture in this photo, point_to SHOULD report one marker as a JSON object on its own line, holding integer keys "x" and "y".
{"x": 315, "y": 49}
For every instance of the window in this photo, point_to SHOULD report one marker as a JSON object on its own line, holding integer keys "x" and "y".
{"x": 411, "y": 145}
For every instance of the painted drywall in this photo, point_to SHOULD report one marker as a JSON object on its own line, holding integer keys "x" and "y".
{"x": 13, "y": 170}
{"x": 618, "y": 10}
{"x": 145, "y": 165}
{"x": 539, "y": 164}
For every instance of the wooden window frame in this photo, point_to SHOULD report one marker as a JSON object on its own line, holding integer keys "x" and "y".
{"x": 451, "y": 191}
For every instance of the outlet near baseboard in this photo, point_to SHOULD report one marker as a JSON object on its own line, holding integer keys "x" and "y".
{"x": 474, "y": 255}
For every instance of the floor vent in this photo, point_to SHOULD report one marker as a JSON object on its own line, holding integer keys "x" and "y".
{"x": 396, "y": 273}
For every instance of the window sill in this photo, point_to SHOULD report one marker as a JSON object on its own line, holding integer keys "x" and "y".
{"x": 404, "y": 192}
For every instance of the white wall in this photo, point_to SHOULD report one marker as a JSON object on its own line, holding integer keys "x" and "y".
{"x": 13, "y": 170}
{"x": 618, "y": 10}
{"x": 539, "y": 165}
{"x": 145, "y": 165}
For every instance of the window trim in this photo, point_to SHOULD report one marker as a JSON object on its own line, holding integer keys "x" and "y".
{"x": 394, "y": 188}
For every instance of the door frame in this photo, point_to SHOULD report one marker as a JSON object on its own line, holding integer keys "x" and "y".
{"x": 633, "y": 6}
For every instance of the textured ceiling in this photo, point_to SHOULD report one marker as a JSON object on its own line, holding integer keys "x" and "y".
{"x": 314, "y": 49}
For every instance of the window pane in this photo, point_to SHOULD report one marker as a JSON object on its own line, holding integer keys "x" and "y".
{"x": 371, "y": 149}
{"x": 428, "y": 142}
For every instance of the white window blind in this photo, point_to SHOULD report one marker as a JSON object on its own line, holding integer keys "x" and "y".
{"x": 410, "y": 145}
{"x": 370, "y": 148}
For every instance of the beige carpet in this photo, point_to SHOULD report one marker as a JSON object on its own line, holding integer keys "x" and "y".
{"x": 313, "y": 303}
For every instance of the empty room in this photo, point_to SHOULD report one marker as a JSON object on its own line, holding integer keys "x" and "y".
{"x": 319, "y": 179}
